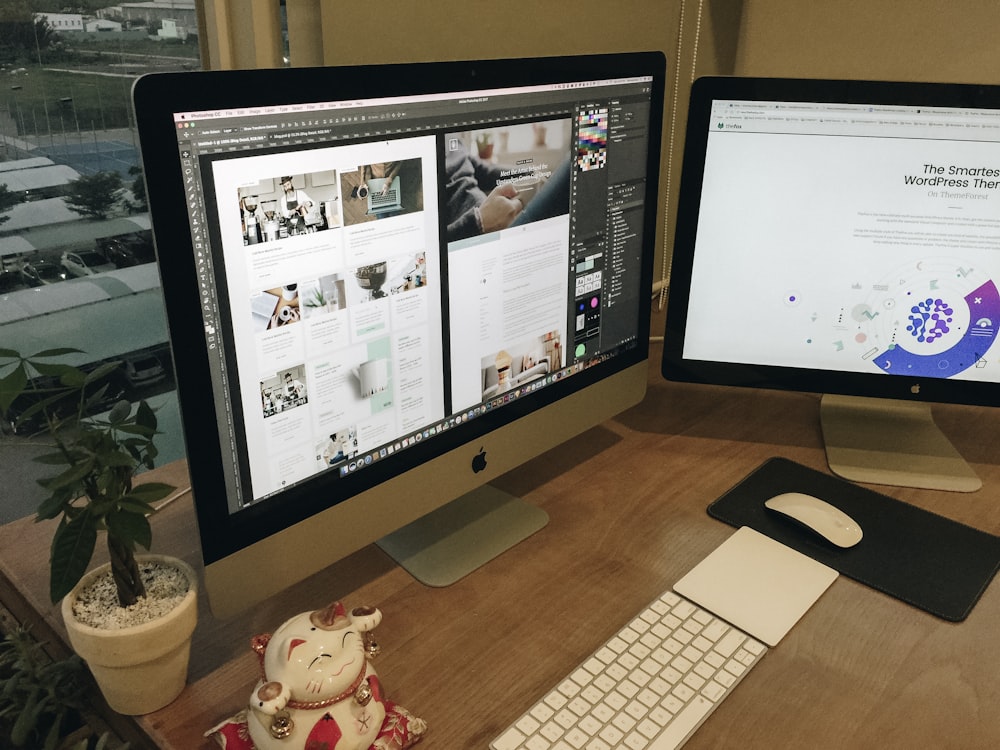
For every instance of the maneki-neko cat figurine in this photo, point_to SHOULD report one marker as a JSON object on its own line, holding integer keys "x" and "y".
{"x": 318, "y": 690}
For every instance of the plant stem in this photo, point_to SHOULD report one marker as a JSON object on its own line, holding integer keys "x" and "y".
{"x": 125, "y": 572}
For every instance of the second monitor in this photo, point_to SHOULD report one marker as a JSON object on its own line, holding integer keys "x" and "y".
{"x": 842, "y": 237}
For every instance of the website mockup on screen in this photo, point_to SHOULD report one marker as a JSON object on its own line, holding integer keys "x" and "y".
{"x": 392, "y": 268}
{"x": 850, "y": 237}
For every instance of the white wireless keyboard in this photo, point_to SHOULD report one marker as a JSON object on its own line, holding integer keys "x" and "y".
{"x": 648, "y": 688}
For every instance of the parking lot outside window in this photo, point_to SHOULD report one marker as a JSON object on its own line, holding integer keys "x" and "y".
{"x": 77, "y": 265}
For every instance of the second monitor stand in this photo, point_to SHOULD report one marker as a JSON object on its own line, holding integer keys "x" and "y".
{"x": 882, "y": 441}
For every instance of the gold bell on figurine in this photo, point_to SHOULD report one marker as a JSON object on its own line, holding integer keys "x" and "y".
{"x": 282, "y": 725}
{"x": 363, "y": 695}
{"x": 372, "y": 649}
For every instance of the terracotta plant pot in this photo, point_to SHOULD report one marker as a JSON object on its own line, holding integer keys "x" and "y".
{"x": 143, "y": 668}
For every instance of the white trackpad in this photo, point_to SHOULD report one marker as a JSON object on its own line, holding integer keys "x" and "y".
{"x": 757, "y": 584}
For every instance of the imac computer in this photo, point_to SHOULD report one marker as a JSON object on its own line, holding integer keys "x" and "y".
{"x": 388, "y": 285}
{"x": 843, "y": 237}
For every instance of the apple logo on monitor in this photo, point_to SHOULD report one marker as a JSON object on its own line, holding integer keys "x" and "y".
{"x": 479, "y": 461}
{"x": 915, "y": 389}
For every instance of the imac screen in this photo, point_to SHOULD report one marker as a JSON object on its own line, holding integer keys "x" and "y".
{"x": 842, "y": 237}
{"x": 384, "y": 282}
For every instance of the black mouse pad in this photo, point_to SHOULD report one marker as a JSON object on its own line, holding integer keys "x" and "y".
{"x": 931, "y": 562}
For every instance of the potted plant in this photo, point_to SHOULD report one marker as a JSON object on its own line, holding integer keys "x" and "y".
{"x": 133, "y": 634}
{"x": 484, "y": 146}
{"x": 317, "y": 299}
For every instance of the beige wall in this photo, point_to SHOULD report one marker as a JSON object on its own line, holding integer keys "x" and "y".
{"x": 933, "y": 40}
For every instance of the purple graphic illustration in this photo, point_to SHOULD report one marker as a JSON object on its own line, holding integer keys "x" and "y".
{"x": 929, "y": 320}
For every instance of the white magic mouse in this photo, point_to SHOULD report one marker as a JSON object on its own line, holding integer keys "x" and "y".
{"x": 828, "y": 521}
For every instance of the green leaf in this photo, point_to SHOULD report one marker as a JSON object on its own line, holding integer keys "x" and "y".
{"x": 149, "y": 492}
{"x": 54, "y": 733}
{"x": 42, "y": 406}
{"x": 12, "y": 385}
{"x": 53, "y": 505}
{"x": 99, "y": 508}
{"x": 117, "y": 458}
{"x": 102, "y": 371}
{"x": 69, "y": 454}
{"x": 52, "y": 370}
{"x": 130, "y": 529}
{"x": 72, "y": 548}
{"x": 71, "y": 476}
{"x": 58, "y": 352}
{"x": 146, "y": 417}
{"x": 120, "y": 412}
{"x": 24, "y": 725}
{"x": 51, "y": 459}
{"x": 145, "y": 435}
{"x": 95, "y": 397}
{"x": 132, "y": 506}
{"x": 10, "y": 684}
{"x": 73, "y": 377}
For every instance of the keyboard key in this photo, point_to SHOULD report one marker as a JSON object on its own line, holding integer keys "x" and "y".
{"x": 612, "y": 735}
{"x": 616, "y": 700}
{"x": 551, "y": 731}
{"x": 512, "y": 739}
{"x": 715, "y": 630}
{"x": 569, "y": 688}
{"x": 683, "y": 609}
{"x": 683, "y": 724}
{"x": 730, "y": 642}
{"x": 713, "y": 691}
{"x": 603, "y": 713}
{"x": 636, "y": 741}
{"x": 565, "y": 718}
{"x": 591, "y": 725}
{"x": 541, "y": 712}
{"x": 624, "y": 722}
{"x": 528, "y": 725}
{"x": 576, "y": 738}
{"x": 555, "y": 700}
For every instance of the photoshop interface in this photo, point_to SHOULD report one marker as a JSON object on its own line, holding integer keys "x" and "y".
{"x": 354, "y": 312}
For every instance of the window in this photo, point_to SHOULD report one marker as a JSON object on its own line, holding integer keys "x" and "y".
{"x": 76, "y": 255}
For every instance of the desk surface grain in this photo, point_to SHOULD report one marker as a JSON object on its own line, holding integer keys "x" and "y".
{"x": 627, "y": 506}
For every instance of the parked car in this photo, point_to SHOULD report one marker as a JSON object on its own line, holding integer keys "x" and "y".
{"x": 10, "y": 280}
{"x": 85, "y": 263}
{"x": 125, "y": 250}
{"x": 143, "y": 369}
{"x": 41, "y": 272}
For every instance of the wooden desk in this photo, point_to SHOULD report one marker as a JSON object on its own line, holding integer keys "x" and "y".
{"x": 627, "y": 505}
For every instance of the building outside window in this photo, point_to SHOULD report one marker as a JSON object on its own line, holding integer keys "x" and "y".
{"x": 77, "y": 266}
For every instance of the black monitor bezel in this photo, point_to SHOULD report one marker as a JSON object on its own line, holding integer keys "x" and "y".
{"x": 158, "y": 96}
{"x": 706, "y": 90}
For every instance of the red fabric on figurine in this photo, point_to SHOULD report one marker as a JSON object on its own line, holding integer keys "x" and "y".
{"x": 397, "y": 731}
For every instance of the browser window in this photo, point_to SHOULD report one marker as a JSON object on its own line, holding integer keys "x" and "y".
{"x": 870, "y": 234}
